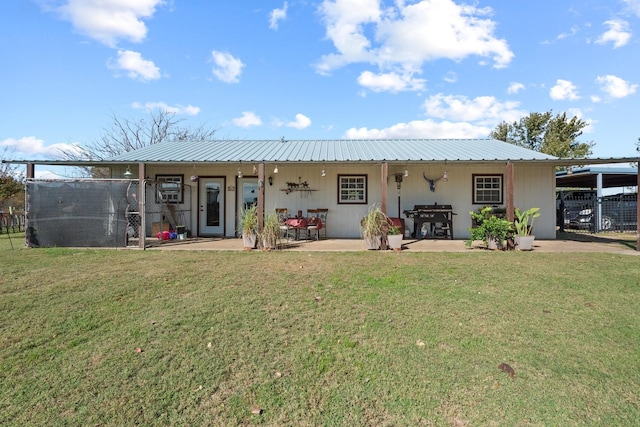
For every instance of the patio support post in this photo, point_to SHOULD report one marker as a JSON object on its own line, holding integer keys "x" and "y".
{"x": 31, "y": 170}
{"x": 384, "y": 174}
{"x": 510, "y": 181}
{"x": 384, "y": 169}
{"x": 260, "y": 196}
{"x": 142, "y": 172}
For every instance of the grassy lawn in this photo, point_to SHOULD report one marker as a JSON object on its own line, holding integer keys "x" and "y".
{"x": 104, "y": 337}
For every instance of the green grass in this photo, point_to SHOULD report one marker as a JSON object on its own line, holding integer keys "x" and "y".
{"x": 353, "y": 339}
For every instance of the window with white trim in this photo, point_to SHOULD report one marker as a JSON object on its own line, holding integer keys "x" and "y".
{"x": 352, "y": 189}
{"x": 169, "y": 189}
{"x": 487, "y": 189}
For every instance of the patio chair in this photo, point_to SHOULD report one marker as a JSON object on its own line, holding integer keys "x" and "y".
{"x": 283, "y": 216}
{"x": 321, "y": 215}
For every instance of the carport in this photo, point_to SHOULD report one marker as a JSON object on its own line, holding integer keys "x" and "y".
{"x": 597, "y": 178}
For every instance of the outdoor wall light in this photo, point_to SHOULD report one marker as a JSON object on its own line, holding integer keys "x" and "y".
{"x": 128, "y": 173}
{"x": 270, "y": 180}
{"x": 324, "y": 173}
{"x": 239, "y": 173}
{"x": 445, "y": 176}
{"x": 406, "y": 172}
{"x": 255, "y": 170}
{"x": 275, "y": 170}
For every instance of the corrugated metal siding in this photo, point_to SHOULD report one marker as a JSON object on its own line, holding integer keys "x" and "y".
{"x": 406, "y": 150}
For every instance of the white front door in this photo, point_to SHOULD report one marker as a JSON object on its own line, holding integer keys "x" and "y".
{"x": 211, "y": 201}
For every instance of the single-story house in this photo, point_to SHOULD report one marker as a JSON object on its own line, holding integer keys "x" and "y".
{"x": 208, "y": 183}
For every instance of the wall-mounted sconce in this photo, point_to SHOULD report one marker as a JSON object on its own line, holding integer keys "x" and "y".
{"x": 324, "y": 173}
{"x": 239, "y": 173}
{"x": 406, "y": 172}
{"x": 128, "y": 173}
{"x": 255, "y": 170}
{"x": 445, "y": 176}
{"x": 275, "y": 170}
{"x": 270, "y": 180}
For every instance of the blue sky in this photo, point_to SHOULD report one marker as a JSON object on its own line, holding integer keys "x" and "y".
{"x": 303, "y": 69}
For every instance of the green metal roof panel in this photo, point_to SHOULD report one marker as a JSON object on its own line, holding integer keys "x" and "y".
{"x": 374, "y": 150}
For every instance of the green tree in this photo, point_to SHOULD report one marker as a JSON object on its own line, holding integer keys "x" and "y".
{"x": 11, "y": 183}
{"x": 555, "y": 135}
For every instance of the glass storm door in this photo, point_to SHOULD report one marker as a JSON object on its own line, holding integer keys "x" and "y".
{"x": 211, "y": 206}
{"x": 247, "y": 194}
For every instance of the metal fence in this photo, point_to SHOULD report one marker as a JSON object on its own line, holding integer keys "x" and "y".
{"x": 11, "y": 222}
{"x": 101, "y": 213}
{"x": 584, "y": 212}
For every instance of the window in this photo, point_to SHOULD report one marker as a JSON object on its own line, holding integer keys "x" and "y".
{"x": 352, "y": 189}
{"x": 169, "y": 188}
{"x": 487, "y": 189}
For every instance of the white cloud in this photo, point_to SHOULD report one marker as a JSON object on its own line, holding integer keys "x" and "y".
{"x": 110, "y": 20}
{"x": 277, "y": 15}
{"x": 135, "y": 66}
{"x": 615, "y": 86}
{"x": 406, "y": 36}
{"x": 514, "y": 88}
{"x": 571, "y": 33}
{"x": 32, "y": 146}
{"x": 247, "y": 119}
{"x": 618, "y": 33}
{"x": 301, "y": 122}
{"x": 451, "y": 77}
{"x": 391, "y": 82}
{"x": 563, "y": 90}
{"x": 461, "y": 118}
{"x": 226, "y": 68}
{"x": 422, "y": 129}
{"x": 189, "y": 110}
{"x": 484, "y": 110}
{"x": 633, "y": 6}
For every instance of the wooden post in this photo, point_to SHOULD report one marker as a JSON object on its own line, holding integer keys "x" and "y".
{"x": 260, "y": 196}
{"x": 384, "y": 173}
{"x": 510, "y": 183}
{"x": 384, "y": 168}
{"x": 31, "y": 170}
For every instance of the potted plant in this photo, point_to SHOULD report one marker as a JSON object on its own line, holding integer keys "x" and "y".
{"x": 394, "y": 237}
{"x": 248, "y": 221}
{"x": 492, "y": 230}
{"x": 270, "y": 231}
{"x": 523, "y": 224}
{"x": 372, "y": 227}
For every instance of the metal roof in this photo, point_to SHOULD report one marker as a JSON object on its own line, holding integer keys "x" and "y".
{"x": 336, "y": 150}
{"x": 372, "y": 150}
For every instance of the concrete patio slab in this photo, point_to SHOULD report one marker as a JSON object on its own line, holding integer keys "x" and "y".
{"x": 581, "y": 243}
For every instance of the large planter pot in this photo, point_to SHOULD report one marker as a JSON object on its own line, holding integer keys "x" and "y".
{"x": 524, "y": 243}
{"x": 395, "y": 241}
{"x": 268, "y": 244}
{"x": 493, "y": 244}
{"x": 373, "y": 242}
{"x": 248, "y": 241}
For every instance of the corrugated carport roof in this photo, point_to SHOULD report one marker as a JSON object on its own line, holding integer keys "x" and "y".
{"x": 587, "y": 177}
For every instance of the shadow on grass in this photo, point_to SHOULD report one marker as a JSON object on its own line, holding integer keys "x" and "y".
{"x": 627, "y": 239}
